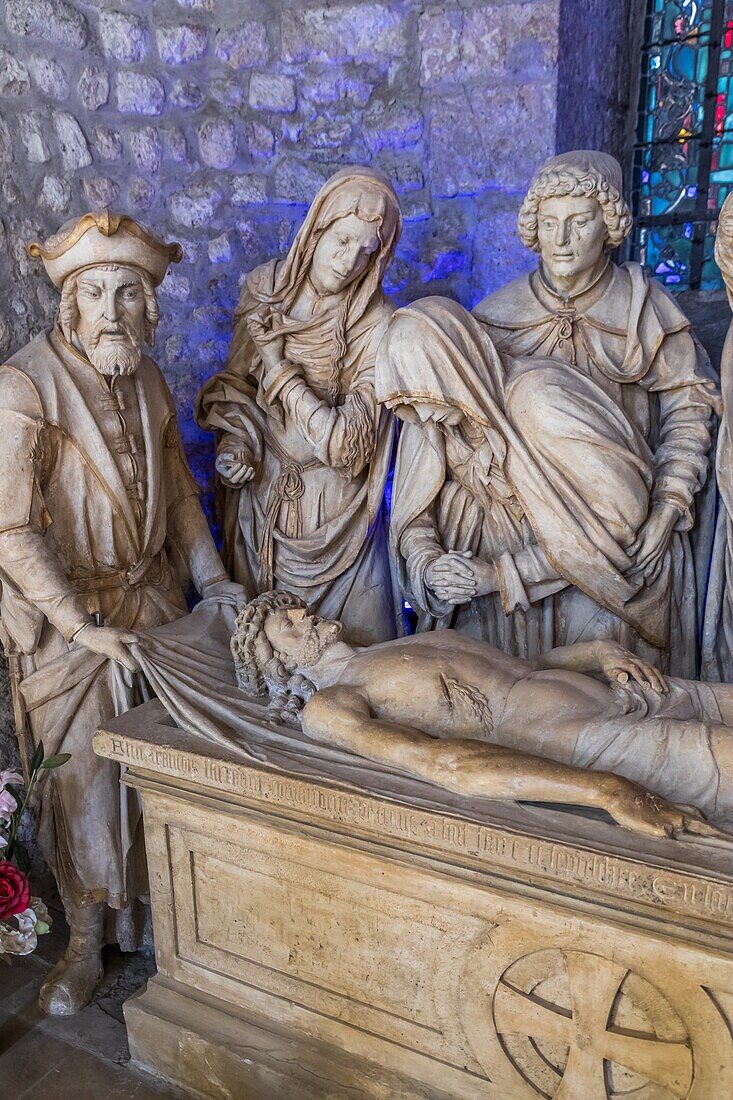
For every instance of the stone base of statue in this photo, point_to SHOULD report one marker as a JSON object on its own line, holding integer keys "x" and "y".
{"x": 315, "y": 940}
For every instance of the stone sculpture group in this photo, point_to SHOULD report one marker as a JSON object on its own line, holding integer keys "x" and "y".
{"x": 553, "y": 448}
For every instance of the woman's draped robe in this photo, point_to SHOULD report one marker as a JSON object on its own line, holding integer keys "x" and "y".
{"x": 311, "y": 521}
{"x": 626, "y": 335}
{"x": 83, "y": 529}
{"x": 563, "y": 480}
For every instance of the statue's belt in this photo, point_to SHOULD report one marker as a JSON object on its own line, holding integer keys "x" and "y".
{"x": 134, "y": 577}
{"x": 288, "y": 488}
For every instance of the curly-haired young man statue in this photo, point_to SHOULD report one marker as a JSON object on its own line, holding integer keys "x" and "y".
{"x": 458, "y": 713}
{"x": 602, "y": 378}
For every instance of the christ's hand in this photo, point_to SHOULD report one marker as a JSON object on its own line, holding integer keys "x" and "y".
{"x": 618, "y": 665}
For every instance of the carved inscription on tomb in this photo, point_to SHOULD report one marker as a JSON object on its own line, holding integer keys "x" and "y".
{"x": 623, "y": 878}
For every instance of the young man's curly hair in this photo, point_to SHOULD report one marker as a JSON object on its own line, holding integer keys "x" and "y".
{"x": 575, "y": 182}
{"x": 261, "y": 670}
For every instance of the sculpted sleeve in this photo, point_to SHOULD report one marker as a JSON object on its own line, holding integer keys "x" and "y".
{"x": 687, "y": 395}
{"x": 28, "y": 561}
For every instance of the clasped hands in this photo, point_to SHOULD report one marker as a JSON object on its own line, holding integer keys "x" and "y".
{"x": 457, "y": 577}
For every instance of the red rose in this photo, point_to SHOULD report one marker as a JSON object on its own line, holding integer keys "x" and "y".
{"x": 15, "y": 891}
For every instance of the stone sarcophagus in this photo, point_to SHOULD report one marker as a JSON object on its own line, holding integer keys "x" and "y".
{"x": 322, "y": 940}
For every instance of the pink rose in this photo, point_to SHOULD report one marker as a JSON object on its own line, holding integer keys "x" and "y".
{"x": 15, "y": 892}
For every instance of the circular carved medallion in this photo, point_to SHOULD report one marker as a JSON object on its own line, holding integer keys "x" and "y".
{"x": 577, "y": 1025}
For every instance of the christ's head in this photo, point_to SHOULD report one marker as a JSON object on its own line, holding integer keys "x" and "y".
{"x": 111, "y": 310}
{"x": 276, "y": 641}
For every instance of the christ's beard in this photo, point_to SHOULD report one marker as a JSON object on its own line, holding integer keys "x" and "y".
{"x": 318, "y": 641}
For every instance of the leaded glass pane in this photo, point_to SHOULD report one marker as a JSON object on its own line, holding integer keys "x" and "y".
{"x": 683, "y": 160}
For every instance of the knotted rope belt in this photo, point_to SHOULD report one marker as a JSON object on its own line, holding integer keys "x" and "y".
{"x": 288, "y": 488}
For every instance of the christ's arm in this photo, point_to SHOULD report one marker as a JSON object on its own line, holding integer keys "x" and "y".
{"x": 608, "y": 658}
{"x": 341, "y": 716}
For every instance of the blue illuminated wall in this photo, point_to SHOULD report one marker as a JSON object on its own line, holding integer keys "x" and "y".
{"x": 215, "y": 121}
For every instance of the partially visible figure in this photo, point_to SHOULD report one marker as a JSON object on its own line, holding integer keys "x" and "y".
{"x": 303, "y": 449}
{"x": 100, "y": 525}
{"x": 717, "y": 644}
{"x": 584, "y": 725}
{"x": 619, "y": 331}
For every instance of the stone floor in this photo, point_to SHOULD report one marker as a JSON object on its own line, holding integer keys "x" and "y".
{"x": 83, "y": 1057}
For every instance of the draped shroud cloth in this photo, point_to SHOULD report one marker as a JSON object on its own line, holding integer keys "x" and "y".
{"x": 545, "y": 476}
{"x": 312, "y": 521}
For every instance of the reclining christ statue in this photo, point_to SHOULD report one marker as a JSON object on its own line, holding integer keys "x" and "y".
{"x": 454, "y": 711}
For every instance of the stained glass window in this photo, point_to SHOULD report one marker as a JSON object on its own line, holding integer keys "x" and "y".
{"x": 683, "y": 157}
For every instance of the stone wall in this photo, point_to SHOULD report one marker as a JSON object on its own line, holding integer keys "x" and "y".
{"x": 215, "y": 121}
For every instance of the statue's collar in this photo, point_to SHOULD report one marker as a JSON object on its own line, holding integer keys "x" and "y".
{"x": 580, "y": 302}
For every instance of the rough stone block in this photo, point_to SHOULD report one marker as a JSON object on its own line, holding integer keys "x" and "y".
{"x": 195, "y": 206}
{"x": 55, "y": 194}
{"x": 146, "y": 149}
{"x": 260, "y": 139}
{"x": 100, "y": 191}
{"x": 50, "y": 76}
{"x": 298, "y": 182}
{"x": 6, "y": 144}
{"x": 139, "y": 94}
{"x": 181, "y": 43}
{"x": 227, "y": 93}
{"x": 249, "y": 189}
{"x": 243, "y": 46}
{"x": 72, "y": 143}
{"x": 31, "y": 134}
{"x": 124, "y": 37}
{"x": 140, "y": 194}
{"x": 175, "y": 286}
{"x": 473, "y": 136}
{"x": 362, "y": 32}
{"x": 460, "y": 45}
{"x": 14, "y": 77}
{"x": 220, "y": 250}
{"x": 392, "y": 126}
{"x": 186, "y": 95}
{"x": 107, "y": 143}
{"x": 93, "y": 87}
{"x": 54, "y": 20}
{"x": 217, "y": 142}
{"x": 175, "y": 140}
{"x": 272, "y": 92}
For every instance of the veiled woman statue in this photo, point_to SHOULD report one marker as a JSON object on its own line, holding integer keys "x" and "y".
{"x": 303, "y": 448}
{"x": 487, "y": 518}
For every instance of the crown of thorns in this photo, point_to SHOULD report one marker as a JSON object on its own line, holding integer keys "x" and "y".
{"x": 249, "y": 636}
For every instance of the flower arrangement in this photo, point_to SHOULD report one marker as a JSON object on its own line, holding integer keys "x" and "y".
{"x": 22, "y": 918}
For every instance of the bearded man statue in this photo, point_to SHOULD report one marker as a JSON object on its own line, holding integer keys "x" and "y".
{"x": 99, "y": 524}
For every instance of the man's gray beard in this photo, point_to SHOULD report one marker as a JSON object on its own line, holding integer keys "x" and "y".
{"x": 117, "y": 358}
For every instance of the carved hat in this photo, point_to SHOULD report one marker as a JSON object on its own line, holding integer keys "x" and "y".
{"x": 104, "y": 238}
